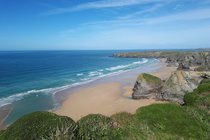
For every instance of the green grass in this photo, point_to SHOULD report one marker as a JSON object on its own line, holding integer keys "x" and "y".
{"x": 160, "y": 121}
{"x": 171, "y": 120}
{"x": 203, "y": 68}
{"x": 1, "y": 132}
{"x": 156, "y": 54}
{"x": 205, "y": 81}
{"x": 41, "y": 125}
{"x": 150, "y": 78}
{"x": 122, "y": 118}
{"x": 130, "y": 128}
{"x": 198, "y": 104}
{"x": 200, "y": 96}
{"x": 154, "y": 122}
{"x": 95, "y": 127}
{"x": 203, "y": 87}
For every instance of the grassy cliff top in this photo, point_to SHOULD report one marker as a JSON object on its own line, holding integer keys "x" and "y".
{"x": 149, "y": 78}
{"x": 95, "y": 126}
{"x": 40, "y": 125}
{"x": 157, "y": 121}
{"x": 158, "y": 54}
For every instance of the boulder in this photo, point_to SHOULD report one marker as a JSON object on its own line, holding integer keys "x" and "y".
{"x": 189, "y": 59}
{"x": 178, "y": 84}
{"x": 183, "y": 67}
{"x": 146, "y": 86}
{"x": 205, "y": 76}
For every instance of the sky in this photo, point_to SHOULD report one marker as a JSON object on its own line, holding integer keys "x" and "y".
{"x": 104, "y": 24}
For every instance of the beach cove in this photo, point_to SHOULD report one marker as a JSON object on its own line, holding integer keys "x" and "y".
{"x": 111, "y": 94}
{"x": 42, "y": 83}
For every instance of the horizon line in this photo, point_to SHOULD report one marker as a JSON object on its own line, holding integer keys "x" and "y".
{"x": 101, "y": 49}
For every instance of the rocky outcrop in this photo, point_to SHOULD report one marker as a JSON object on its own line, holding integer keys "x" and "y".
{"x": 173, "y": 58}
{"x": 178, "y": 84}
{"x": 173, "y": 89}
{"x": 146, "y": 86}
{"x": 183, "y": 67}
{"x": 190, "y": 59}
{"x": 205, "y": 75}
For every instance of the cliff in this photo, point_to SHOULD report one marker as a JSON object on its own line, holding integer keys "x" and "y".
{"x": 173, "y": 89}
{"x": 189, "y": 58}
{"x": 178, "y": 84}
{"x": 157, "y": 121}
{"x": 146, "y": 86}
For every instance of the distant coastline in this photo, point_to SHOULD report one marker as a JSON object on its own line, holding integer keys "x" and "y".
{"x": 110, "y": 95}
{"x": 122, "y": 74}
{"x": 49, "y": 98}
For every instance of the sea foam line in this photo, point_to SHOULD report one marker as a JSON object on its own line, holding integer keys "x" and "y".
{"x": 128, "y": 65}
{"x": 10, "y": 99}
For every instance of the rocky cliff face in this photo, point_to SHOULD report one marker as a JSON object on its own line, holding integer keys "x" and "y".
{"x": 173, "y": 89}
{"x": 178, "y": 84}
{"x": 190, "y": 59}
{"x": 174, "y": 58}
{"x": 146, "y": 86}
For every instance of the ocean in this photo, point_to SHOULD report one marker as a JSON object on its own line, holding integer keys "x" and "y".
{"x": 30, "y": 79}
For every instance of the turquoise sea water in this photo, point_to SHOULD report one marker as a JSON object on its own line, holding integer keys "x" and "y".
{"x": 29, "y": 79}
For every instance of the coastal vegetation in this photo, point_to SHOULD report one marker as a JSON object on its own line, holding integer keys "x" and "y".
{"x": 203, "y": 68}
{"x": 41, "y": 125}
{"x": 146, "y": 85}
{"x": 153, "y": 54}
{"x": 149, "y": 78}
{"x": 186, "y": 116}
{"x": 157, "y": 121}
{"x": 96, "y": 126}
{"x": 174, "y": 58}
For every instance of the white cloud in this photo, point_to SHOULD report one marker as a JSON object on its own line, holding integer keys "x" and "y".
{"x": 184, "y": 16}
{"x": 139, "y": 39}
{"x": 192, "y": 15}
{"x": 134, "y": 32}
{"x": 100, "y": 4}
{"x": 147, "y": 10}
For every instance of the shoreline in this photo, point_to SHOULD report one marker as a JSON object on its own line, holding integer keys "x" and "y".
{"x": 109, "y": 95}
{"x": 60, "y": 96}
{"x": 120, "y": 83}
{"x": 5, "y": 111}
{"x": 131, "y": 74}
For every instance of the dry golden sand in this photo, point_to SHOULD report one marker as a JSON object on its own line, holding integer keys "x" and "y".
{"x": 106, "y": 98}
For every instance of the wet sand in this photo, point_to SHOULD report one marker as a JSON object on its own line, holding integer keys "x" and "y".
{"x": 4, "y": 111}
{"x": 107, "y": 95}
{"x": 110, "y": 95}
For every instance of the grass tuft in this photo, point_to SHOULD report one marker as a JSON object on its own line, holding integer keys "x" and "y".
{"x": 149, "y": 78}
{"x": 154, "y": 122}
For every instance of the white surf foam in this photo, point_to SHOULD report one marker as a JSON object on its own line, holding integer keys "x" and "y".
{"x": 92, "y": 76}
{"x": 80, "y": 74}
{"x": 144, "y": 60}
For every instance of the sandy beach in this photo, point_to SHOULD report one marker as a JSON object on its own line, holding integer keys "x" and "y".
{"x": 5, "y": 110}
{"x": 110, "y": 95}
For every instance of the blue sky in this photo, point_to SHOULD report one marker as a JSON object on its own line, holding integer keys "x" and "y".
{"x": 104, "y": 24}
